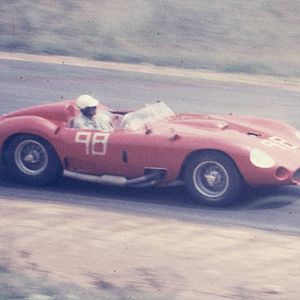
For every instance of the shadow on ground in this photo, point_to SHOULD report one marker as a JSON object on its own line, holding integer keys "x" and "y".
{"x": 251, "y": 199}
{"x": 269, "y": 197}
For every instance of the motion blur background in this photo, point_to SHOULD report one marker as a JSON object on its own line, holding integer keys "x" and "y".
{"x": 258, "y": 37}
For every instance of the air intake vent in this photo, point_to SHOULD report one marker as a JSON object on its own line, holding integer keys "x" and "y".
{"x": 253, "y": 134}
{"x": 296, "y": 176}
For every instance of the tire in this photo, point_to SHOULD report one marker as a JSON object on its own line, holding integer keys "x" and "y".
{"x": 31, "y": 159}
{"x": 212, "y": 179}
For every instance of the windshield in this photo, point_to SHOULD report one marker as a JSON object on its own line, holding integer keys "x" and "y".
{"x": 148, "y": 114}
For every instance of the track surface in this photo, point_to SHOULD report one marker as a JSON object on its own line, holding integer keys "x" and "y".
{"x": 24, "y": 84}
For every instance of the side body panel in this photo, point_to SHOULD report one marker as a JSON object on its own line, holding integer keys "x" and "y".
{"x": 121, "y": 152}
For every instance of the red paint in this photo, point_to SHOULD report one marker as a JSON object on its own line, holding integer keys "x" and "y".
{"x": 163, "y": 144}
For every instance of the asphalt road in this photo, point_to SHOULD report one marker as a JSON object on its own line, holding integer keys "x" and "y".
{"x": 24, "y": 84}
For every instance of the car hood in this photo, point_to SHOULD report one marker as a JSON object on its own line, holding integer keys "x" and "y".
{"x": 236, "y": 135}
{"x": 195, "y": 124}
{"x": 191, "y": 122}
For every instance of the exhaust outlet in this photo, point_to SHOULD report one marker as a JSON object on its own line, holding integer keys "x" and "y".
{"x": 103, "y": 179}
{"x": 149, "y": 179}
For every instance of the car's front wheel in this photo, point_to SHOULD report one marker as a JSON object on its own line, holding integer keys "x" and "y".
{"x": 213, "y": 179}
{"x": 31, "y": 159}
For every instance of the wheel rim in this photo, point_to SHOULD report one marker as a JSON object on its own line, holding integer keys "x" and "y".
{"x": 31, "y": 157}
{"x": 211, "y": 179}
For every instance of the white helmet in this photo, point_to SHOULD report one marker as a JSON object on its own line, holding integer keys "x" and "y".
{"x": 85, "y": 101}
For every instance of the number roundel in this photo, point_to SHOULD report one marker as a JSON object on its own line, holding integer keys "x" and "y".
{"x": 275, "y": 141}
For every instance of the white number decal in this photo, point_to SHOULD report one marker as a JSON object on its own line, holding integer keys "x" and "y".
{"x": 275, "y": 141}
{"x": 84, "y": 138}
{"x": 95, "y": 143}
{"x": 99, "y": 143}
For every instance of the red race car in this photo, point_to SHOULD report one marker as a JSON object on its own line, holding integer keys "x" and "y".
{"x": 214, "y": 156}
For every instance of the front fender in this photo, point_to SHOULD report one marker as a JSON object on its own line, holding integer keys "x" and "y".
{"x": 179, "y": 149}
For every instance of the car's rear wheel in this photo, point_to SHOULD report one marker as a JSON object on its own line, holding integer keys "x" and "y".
{"x": 213, "y": 179}
{"x": 31, "y": 159}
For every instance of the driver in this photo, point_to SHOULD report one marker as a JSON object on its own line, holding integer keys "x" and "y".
{"x": 89, "y": 118}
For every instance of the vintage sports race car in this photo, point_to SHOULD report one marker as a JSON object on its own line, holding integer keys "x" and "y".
{"x": 214, "y": 156}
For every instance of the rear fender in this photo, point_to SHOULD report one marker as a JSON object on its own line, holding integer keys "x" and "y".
{"x": 26, "y": 125}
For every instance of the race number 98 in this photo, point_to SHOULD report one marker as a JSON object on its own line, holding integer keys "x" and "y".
{"x": 275, "y": 141}
{"x": 95, "y": 142}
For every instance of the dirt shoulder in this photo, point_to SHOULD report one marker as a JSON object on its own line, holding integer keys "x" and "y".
{"x": 278, "y": 82}
{"x": 123, "y": 255}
